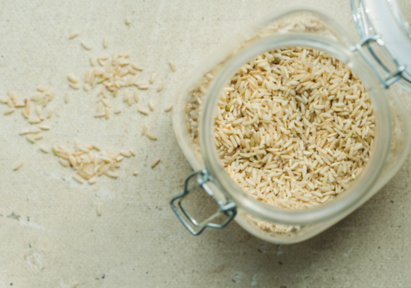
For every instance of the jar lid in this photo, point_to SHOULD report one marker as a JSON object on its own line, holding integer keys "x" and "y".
{"x": 383, "y": 20}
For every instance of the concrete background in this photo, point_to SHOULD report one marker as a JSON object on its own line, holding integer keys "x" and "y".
{"x": 50, "y": 234}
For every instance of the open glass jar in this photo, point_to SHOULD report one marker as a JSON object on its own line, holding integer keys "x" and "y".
{"x": 194, "y": 114}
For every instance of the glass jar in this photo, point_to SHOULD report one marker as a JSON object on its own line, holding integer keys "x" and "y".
{"x": 194, "y": 114}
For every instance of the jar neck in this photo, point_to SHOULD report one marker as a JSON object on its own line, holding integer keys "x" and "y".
{"x": 361, "y": 188}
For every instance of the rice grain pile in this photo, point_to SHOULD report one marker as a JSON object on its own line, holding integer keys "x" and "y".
{"x": 89, "y": 161}
{"x": 294, "y": 127}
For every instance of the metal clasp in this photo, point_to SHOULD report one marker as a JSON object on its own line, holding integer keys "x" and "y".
{"x": 362, "y": 27}
{"x": 228, "y": 209}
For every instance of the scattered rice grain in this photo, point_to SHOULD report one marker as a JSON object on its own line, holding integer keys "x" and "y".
{"x": 9, "y": 110}
{"x": 73, "y": 35}
{"x": 151, "y": 135}
{"x": 172, "y": 66}
{"x": 86, "y": 45}
{"x": 75, "y": 86}
{"x": 161, "y": 86}
{"x": 17, "y": 165}
{"x": 151, "y": 105}
{"x": 169, "y": 108}
{"x": 128, "y": 20}
{"x": 67, "y": 97}
{"x": 77, "y": 177}
{"x": 72, "y": 78}
{"x": 106, "y": 41}
{"x": 156, "y": 161}
{"x": 153, "y": 78}
{"x": 44, "y": 149}
{"x": 30, "y": 138}
{"x": 143, "y": 110}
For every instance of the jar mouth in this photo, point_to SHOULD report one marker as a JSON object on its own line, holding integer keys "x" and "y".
{"x": 348, "y": 200}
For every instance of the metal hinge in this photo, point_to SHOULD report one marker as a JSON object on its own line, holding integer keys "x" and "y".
{"x": 362, "y": 27}
{"x": 228, "y": 209}
{"x": 391, "y": 76}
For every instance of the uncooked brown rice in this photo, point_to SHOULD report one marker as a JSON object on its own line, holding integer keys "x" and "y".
{"x": 128, "y": 20}
{"x": 155, "y": 163}
{"x": 86, "y": 45}
{"x": 151, "y": 135}
{"x": 74, "y": 86}
{"x": 172, "y": 66}
{"x": 72, "y": 78}
{"x": 294, "y": 127}
{"x": 106, "y": 41}
{"x": 145, "y": 128}
{"x": 151, "y": 105}
{"x": 44, "y": 149}
{"x": 161, "y": 86}
{"x": 67, "y": 97}
{"x": 74, "y": 35}
{"x": 89, "y": 161}
{"x": 168, "y": 108}
{"x": 153, "y": 78}
{"x": 17, "y": 165}
{"x": 44, "y": 127}
{"x": 143, "y": 110}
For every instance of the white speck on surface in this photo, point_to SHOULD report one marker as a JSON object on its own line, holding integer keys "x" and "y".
{"x": 31, "y": 224}
{"x": 34, "y": 260}
{"x": 99, "y": 208}
{"x": 280, "y": 250}
{"x": 254, "y": 280}
{"x": 104, "y": 193}
{"x": 236, "y": 277}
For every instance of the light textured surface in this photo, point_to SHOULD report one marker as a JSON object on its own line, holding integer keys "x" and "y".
{"x": 50, "y": 233}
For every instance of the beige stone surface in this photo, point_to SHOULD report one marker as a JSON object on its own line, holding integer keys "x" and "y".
{"x": 50, "y": 233}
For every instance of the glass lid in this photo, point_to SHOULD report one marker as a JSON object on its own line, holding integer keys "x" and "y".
{"x": 385, "y": 20}
{"x": 402, "y": 12}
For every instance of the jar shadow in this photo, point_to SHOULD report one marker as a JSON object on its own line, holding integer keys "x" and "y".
{"x": 236, "y": 254}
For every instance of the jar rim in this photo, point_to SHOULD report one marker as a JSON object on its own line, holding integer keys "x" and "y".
{"x": 348, "y": 200}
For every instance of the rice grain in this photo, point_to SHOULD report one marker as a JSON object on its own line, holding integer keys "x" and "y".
{"x": 168, "y": 108}
{"x": 75, "y": 86}
{"x": 86, "y": 45}
{"x": 72, "y": 78}
{"x": 155, "y": 163}
{"x": 9, "y": 110}
{"x": 153, "y": 78}
{"x": 128, "y": 20}
{"x": 143, "y": 110}
{"x": 17, "y": 165}
{"x": 73, "y": 35}
{"x": 67, "y": 97}
{"x": 145, "y": 128}
{"x": 44, "y": 149}
{"x": 106, "y": 41}
{"x": 31, "y": 139}
{"x": 161, "y": 86}
{"x": 151, "y": 135}
{"x": 151, "y": 105}
{"x": 136, "y": 96}
{"x": 78, "y": 178}
{"x": 172, "y": 66}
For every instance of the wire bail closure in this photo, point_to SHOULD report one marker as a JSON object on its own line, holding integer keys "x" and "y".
{"x": 229, "y": 208}
{"x": 362, "y": 27}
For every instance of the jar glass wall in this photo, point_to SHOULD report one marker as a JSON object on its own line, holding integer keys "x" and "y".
{"x": 193, "y": 125}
